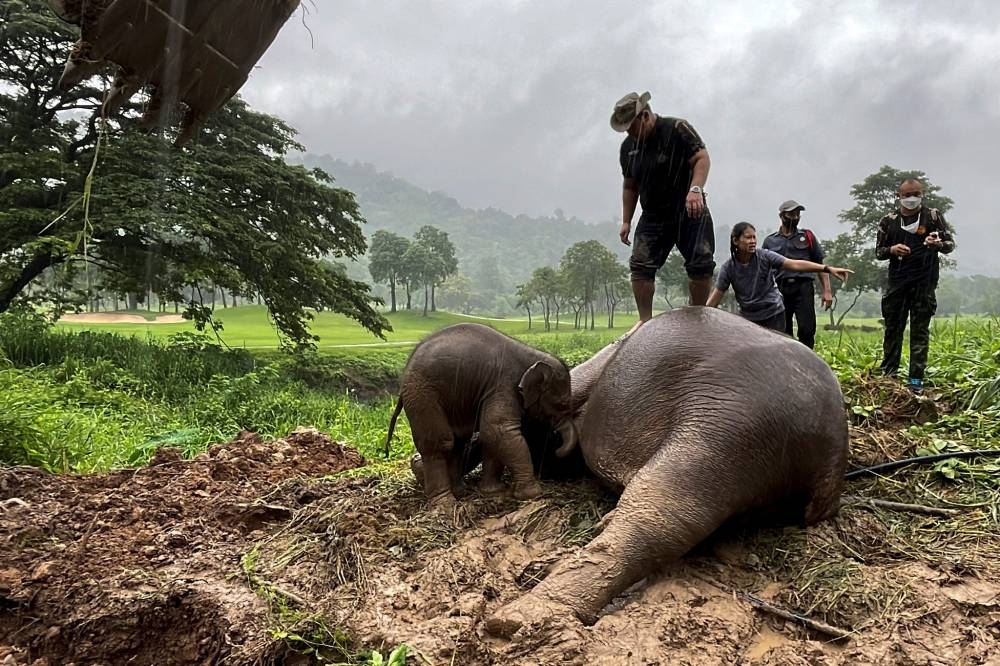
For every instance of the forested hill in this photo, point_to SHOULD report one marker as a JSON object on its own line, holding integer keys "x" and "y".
{"x": 490, "y": 243}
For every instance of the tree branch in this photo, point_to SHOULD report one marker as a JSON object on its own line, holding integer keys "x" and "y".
{"x": 74, "y": 148}
{"x": 32, "y": 270}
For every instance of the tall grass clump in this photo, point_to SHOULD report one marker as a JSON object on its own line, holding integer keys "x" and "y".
{"x": 93, "y": 401}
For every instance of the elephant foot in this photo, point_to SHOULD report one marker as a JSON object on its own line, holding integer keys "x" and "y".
{"x": 492, "y": 487}
{"x": 531, "y": 615}
{"x": 527, "y": 491}
{"x": 443, "y": 503}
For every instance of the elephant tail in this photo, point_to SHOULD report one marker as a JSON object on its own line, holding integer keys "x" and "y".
{"x": 392, "y": 425}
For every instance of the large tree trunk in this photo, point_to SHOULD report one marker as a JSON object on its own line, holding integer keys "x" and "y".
{"x": 433, "y": 306}
{"x": 426, "y": 300}
{"x": 31, "y": 270}
{"x": 392, "y": 293}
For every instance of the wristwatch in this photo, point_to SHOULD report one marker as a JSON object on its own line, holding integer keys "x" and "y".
{"x": 696, "y": 189}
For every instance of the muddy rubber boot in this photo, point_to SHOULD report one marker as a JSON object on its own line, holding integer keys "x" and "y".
{"x": 699, "y": 289}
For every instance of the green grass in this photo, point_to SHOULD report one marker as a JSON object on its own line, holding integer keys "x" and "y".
{"x": 95, "y": 399}
{"x": 249, "y": 327}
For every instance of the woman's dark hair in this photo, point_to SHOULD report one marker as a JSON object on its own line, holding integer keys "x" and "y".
{"x": 735, "y": 236}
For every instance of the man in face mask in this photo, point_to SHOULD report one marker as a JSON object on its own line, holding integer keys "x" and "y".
{"x": 910, "y": 238}
{"x": 797, "y": 289}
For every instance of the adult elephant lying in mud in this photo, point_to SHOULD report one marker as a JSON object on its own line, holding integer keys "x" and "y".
{"x": 697, "y": 417}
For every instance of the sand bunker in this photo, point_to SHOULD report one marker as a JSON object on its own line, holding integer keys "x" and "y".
{"x": 118, "y": 318}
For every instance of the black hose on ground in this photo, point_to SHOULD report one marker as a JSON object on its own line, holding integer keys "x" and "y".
{"x": 896, "y": 464}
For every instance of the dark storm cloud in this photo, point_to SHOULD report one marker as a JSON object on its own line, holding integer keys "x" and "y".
{"x": 507, "y": 104}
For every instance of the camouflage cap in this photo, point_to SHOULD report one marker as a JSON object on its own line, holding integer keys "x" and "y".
{"x": 790, "y": 206}
{"x": 626, "y": 110}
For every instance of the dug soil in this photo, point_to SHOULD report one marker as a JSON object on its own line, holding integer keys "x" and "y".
{"x": 277, "y": 552}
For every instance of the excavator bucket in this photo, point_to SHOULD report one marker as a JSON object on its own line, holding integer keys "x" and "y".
{"x": 195, "y": 52}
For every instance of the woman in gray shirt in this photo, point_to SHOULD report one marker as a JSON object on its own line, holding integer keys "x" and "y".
{"x": 751, "y": 273}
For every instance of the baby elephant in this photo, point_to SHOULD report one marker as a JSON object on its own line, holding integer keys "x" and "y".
{"x": 469, "y": 378}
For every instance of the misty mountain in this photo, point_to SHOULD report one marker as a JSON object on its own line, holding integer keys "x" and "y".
{"x": 490, "y": 244}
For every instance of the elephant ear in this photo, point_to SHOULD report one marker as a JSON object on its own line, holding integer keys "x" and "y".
{"x": 534, "y": 382}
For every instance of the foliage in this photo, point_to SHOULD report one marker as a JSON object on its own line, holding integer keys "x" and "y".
{"x": 95, "y": 401}
{"x": 384, "y": 260}
{"x": 495, "y": 249}
{"x": 419, "y": 268}
{"x": 443, "y": 252}
{"x": 672, "y": 280}
{"x": 851, "y": 251}
{"x": 456, "y": 293}
{"x": 144, "y": 217}
{"x": 877, "y": 195}
{"x": 874, "y": 197}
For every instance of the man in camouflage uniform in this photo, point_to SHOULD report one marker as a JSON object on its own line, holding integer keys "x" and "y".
{"x": 797, "y": 289}
{"x": 664, "y": 168}
{"x": 910, "y": 238}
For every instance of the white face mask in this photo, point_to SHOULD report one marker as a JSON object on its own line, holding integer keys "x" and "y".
{"x": 910, "y": 203}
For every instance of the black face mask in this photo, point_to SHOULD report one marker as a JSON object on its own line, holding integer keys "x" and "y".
{"x": 790, "y": 223}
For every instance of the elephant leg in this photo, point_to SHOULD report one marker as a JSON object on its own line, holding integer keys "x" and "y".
{"x": 670, "y": 505}
{"x": 457, "y": 469}
{"x": 490, "y": 482}
{"x": 503, "y": 444}
{"x": 433, "y": 438}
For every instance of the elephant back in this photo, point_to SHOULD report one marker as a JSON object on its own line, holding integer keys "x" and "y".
{"x": 704, "y": 379}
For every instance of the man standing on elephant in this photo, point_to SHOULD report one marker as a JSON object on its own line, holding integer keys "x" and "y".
{"x": 664, "y": 168}
{"x": 910, "y": 238}
{"x": 797, "y": 289}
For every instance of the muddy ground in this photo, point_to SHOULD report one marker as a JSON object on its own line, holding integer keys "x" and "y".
{"x": 274, "y": 552}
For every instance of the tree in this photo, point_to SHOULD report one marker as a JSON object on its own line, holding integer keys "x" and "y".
{"x": 612, "y": 276}
{"x": 443, "y": 252}
{"x": 383, "y": 260}
{"x": 548, "y": 285}
{"x": 419, "y": 268}
{"x": 850, "y": 251}
{"x": 672, "y": 278}
{"x": 875, "y": 196}
{"x": 456, "y": 293}
{"x": 526, "y": 296}
{"x": 78, "y": 194}
{"x": 582, "y": 267}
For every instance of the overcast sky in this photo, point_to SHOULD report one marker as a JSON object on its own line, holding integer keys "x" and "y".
{"x": 506, "y": 103}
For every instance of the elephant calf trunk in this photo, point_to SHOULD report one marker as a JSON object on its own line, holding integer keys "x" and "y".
{"x": 570, "y": 437}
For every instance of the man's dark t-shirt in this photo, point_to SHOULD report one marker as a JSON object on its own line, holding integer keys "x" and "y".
{"x": 660, "y": 167}
{"x": 800, "y": 245}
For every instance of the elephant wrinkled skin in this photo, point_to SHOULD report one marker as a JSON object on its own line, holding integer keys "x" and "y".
{"x": 697, "y": 417}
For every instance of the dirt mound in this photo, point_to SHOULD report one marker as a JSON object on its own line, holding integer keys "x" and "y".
{"x": 137, "y": 565}
{"x": 252, "y": 554}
